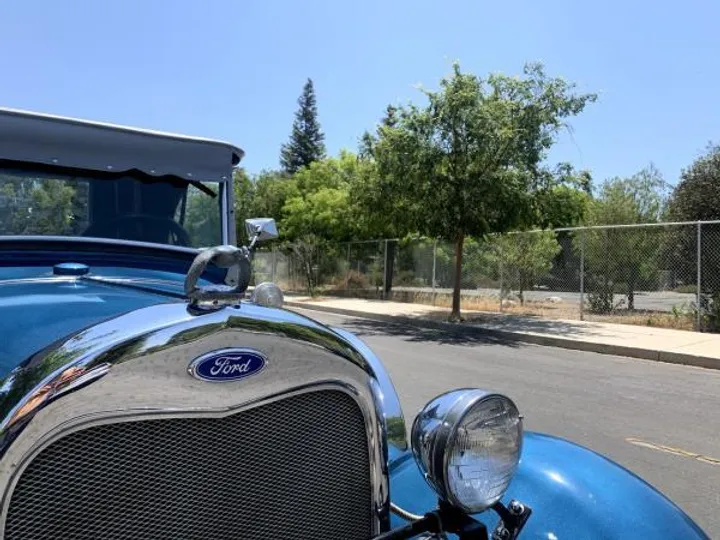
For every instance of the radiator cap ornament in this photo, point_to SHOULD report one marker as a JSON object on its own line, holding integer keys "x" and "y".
{"x": 227, "y": 365}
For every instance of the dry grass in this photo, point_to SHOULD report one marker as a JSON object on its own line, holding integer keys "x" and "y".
{"x": 647, "y": 318}
{"x": 544, "y": 310}
{"x": 549, "y": 310}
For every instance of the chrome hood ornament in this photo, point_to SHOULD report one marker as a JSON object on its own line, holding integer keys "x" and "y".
{"x": 240, "y": 258}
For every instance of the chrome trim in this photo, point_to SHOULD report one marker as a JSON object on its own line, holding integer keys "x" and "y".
{"x": 433, "y": 434}
{"x": 387, "y": 395}
{"x": 267, "y": 294}
{"x": 401, "y": 512}
{"x": 136, "y": 365}
{"x": 210, "y": 296}
{"x": 41, "y": 279}
{"x": 229, "y": 233}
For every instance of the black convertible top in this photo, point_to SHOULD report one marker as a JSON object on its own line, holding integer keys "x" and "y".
{"x": 56, "y": 141}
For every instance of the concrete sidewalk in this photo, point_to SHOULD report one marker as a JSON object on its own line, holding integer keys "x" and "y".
{"x": 675, "y": 346}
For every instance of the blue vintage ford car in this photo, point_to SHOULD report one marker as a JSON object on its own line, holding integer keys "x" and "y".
{"x": 145, "y": 397}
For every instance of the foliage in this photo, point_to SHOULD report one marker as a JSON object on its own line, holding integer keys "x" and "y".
{"x": 468, "y": 163}
{"x": 320, "y": 203}
{"x": 271, "y": 189}
{"x": 564, "y": 198}
{"x": 306, "y": 252}
{"x": 202, "y": 212}
{"x": 317, "y": 208}
{"x": 697, "y": 197}
{"x": 244, "y": 198}
{"x": 44, "y": 206}
{"x": 710, "y": 309}
{"x": 355, "y": 280}
{"x": 623, "y": 258}
{"x": 600, "y": 298}
{"x": 306, "y": 143}
{"x": 525, "y": 258}
{"x": 202, "y": 218}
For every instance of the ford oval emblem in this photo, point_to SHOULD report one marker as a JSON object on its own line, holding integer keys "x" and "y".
{"x": 227, "y": 365}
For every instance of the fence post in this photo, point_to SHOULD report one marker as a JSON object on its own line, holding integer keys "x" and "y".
{"x": 274, "y": 264}
{"x": 434, "y": 269}
{"x": 500, "y": 259}
{"x": 385, "y": 271}
{"x": 582, "y": 275}
{"x": 698, "y": 294}
{"x": 347, "y": 271}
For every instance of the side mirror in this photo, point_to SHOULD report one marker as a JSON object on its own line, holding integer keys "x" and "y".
{"x": 260, "y": 229}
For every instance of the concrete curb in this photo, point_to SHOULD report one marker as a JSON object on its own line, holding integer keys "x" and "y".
{"x": 537, "y": 339}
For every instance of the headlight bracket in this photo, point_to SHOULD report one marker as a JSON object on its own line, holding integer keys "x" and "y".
{"x": 450, "y": 519}
{"x": 512, "y": 519}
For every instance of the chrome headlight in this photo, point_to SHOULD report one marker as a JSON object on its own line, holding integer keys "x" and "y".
{"x": 267, "y": 294}
{"x": 468, "y": 443}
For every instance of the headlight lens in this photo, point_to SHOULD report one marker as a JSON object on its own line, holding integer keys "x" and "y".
{"x": 468, "y": 444}
{"x": 268, "y": 294}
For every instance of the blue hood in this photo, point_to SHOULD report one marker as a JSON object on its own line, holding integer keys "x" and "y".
{"x": 38, "y": 308}
{"x": 573, "y": 493}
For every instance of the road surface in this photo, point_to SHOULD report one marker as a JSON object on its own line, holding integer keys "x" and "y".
{"x": 621, "y": 407}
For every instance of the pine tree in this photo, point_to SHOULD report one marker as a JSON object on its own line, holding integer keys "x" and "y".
{"x": 306, "y": 142}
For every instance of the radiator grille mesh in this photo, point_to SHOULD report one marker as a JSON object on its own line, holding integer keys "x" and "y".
{"x": 296, "y": 468}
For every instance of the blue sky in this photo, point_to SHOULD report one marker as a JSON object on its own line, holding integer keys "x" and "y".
{"x": 233, "y": 69}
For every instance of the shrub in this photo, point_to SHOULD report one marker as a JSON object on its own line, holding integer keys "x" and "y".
{"x": 355, "y": 280}
{"x": 600, "y": 302}
{"x": 710, "y": 305}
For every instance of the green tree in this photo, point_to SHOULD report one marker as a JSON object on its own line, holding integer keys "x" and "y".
{"x": 319, "y": 213}
{"x": 697, "y": 198}
{"x": 468, "y": 162}
{"x": 697, "y": 195}
{"x": 564, "y": 197}
{"x": 271, "y": 190}
{"x": 625, "y": 258}
{"x": 321, "y": 203}
{"x": 202, "y": 218}
{"x": 244, "y": 198}
{"x": 42, "y": 206}
{"x": 525, "y": 258}
{"x": 306, "y": 142}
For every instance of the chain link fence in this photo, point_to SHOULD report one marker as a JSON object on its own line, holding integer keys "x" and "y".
{"x": 665, "y": 275}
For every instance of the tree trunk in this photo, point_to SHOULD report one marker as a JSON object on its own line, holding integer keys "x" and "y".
{"x": 308, "y": 276}
{"x": 455, "y": 314}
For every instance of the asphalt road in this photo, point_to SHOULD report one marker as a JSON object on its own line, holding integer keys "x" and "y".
{"x": 596, "y": 400}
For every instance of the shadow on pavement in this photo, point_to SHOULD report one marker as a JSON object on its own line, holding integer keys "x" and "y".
{"x": 409, "y": 332}
{"x": 550, "y": 327}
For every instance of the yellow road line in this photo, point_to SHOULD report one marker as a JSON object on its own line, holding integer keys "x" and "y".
{"x": 673, "y": 450}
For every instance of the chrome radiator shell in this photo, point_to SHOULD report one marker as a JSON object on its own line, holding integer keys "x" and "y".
{"x": 134, "y": 367}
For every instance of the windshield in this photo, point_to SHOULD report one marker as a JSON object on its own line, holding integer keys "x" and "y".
{"x": 148, "y": 210}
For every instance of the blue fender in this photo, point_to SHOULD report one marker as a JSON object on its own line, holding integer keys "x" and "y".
{"x": 573, "y": 492}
